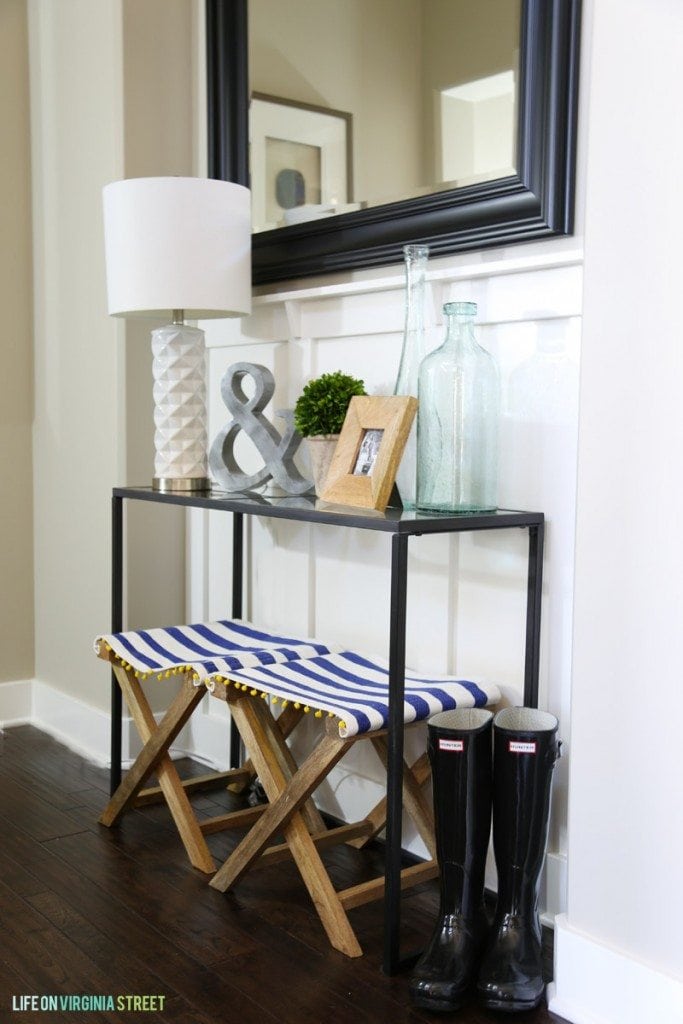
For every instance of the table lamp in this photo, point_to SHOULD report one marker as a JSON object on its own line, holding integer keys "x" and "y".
{"x": 178, "y": 248}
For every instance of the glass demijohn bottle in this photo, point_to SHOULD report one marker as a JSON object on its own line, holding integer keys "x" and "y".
{"x": 457, "y": 420}
{"x": 412, "y": 354}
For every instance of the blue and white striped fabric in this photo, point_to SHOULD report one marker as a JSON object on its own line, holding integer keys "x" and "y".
{"x": 356, "y": 689}
{"x": 207, "y": 648}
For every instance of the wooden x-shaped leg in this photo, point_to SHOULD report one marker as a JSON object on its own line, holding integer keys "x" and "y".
{"x": 290, "y": 812}
{"x": 288, "y": 791}
{"x": 154, "y": 757}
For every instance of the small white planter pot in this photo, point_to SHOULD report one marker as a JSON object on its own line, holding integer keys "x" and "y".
{"x": 321, "y": 449}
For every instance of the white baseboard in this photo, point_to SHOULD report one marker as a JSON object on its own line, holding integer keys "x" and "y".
{"x": 597, "y": 984}
{"x": 86, "y": 729}
{"x": 79, "y": 726}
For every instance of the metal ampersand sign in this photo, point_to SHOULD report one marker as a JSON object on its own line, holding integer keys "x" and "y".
{"x": 276, "y": 450}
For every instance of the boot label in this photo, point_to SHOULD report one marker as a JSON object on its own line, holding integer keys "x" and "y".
{"x": 519, "y": 747}
{"x": 454, "y": 745}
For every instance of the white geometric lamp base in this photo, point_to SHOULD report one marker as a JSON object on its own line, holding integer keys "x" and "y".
{"x": 180, "y": 438}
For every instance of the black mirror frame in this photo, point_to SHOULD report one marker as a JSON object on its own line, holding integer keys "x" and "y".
{"x": 537, "y": 202}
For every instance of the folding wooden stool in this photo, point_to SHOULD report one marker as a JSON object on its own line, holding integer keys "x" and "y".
{"x": 350, "y": 693}
{"x": 192, "y": 652}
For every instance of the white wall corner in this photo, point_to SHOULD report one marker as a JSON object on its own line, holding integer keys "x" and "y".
{"x": 206, "y": 738}
{"x": 597, "y": 984}
{"x": 15, "y": 703}
{"x": 552, "y": 889}
{"x": 79, "y": 726}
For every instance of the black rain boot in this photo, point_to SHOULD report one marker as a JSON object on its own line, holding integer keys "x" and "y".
{"x": 460, "y": 756}
{"x": 525, "y": 751}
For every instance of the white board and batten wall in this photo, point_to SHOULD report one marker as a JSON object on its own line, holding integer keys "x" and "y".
{"x": 467, "y": 594}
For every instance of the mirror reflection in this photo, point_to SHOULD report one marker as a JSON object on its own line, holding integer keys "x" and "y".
{"x": 356, "y": 103}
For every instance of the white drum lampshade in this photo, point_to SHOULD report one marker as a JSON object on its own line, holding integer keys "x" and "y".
{"x": 178, "y": 248}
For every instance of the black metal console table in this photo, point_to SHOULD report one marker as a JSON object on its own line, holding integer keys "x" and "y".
{"x": 401, "y": 526}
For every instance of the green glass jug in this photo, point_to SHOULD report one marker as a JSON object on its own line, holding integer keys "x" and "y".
{"x": 457, "y": 421}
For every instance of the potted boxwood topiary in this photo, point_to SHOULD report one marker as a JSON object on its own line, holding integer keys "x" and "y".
{"x": 319, "y": 414}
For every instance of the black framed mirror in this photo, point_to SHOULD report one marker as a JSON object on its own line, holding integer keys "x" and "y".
{"x": 534, "y": 202}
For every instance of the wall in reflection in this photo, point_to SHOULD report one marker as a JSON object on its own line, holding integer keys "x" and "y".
{"x": 429, "y": 86}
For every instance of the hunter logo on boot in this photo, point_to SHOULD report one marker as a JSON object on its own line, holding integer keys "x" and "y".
{"x": 519, "y": 747}
{"x": 454, "y": 745}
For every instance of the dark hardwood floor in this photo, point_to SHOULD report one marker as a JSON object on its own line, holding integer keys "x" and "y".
{"x": 86, "y": 910}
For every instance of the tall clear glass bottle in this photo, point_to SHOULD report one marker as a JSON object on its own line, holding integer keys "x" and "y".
{"x": 457, "y": 421}
{"x": 412, "y": 354}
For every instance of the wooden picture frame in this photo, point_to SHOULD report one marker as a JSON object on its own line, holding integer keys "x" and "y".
{"x": 369, "y": 451}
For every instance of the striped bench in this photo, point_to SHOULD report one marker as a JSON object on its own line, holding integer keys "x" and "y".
{"x": 271, "y": 682}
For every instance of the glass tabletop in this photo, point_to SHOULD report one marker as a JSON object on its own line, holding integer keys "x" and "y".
{"x": 309, "y": 508}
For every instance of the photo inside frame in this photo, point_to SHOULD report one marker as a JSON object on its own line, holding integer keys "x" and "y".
{"x": 368, "y": 452}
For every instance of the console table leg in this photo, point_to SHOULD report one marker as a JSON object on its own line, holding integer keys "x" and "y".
{"x": 237, "y": 601}
{"x": 533, "y": 615}
{"x": 116, "y": 627}
{"x": 397, "y": 662}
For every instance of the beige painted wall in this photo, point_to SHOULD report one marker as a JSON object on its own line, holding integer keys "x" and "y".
{"x": 468, "y": 39}
{"x": 362, "y": 57}
{"x": 157, "y": 107}
{"x": 111, "y": 98}
{"x": 16, "y": 406}
{"x": 79, "y": 368}
{"x": 464, "y": 40}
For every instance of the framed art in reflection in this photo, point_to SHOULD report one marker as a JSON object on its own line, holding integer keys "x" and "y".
{"x": 300, "y": 162}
